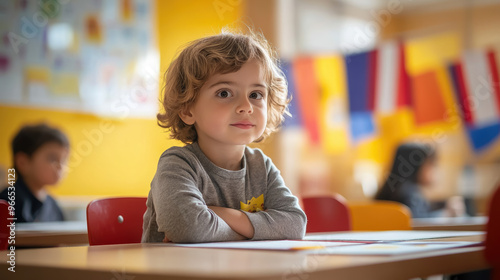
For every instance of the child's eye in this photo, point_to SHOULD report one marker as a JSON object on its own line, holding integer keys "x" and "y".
{"x": 256, "y": 95}
{"x": 224, "y": 94}
{"x": 52, "y": 158}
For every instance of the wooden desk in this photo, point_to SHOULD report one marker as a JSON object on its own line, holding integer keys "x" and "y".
{"x": 159, "y": 261}
{"x": 51, "y": 234}
{"x": 448, "y": 223}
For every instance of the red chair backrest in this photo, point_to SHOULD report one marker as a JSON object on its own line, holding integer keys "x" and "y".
{"x": 115, "y": 220}
{"x": 492, "y": 242}
{"x": 326, "y": 213}
{"x": 4, "y": 230}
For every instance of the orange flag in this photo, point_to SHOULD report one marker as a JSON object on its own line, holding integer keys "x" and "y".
{"x": 308, "y": 95}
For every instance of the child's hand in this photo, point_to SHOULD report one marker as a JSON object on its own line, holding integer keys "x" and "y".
{"x": 236, "y": 219}
{"x": 455, "y": 206}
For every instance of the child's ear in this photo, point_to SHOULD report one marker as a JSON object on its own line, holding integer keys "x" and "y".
{"x": 186, "y": 116}
{"x": 21, "y": 161}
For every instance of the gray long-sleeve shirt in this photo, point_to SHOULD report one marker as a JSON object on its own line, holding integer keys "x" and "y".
{"x": 186, "y": 182}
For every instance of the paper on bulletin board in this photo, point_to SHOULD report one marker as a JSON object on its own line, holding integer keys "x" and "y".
{"x": 105, "y": 63}
{"x": 37, "y": 81}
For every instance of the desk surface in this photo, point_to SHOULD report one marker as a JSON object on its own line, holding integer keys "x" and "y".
{"x": 448, "y": 223}
{"x": 154, "y": 261}
{"x": 51, "y": 234}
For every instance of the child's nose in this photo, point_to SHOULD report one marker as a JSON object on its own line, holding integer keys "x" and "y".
{"x": 58, "y": 165}
{"x": 245, "y": 106}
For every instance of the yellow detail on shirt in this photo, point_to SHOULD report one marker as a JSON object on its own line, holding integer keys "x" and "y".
{"x": 254, "y": 204}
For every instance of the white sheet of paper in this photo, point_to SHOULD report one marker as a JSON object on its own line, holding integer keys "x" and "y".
{"x": 269, "y": 245}
{"x": 392, "y": 248}
{"x": 65, "y": 226}
{"x": 393, "y": 235}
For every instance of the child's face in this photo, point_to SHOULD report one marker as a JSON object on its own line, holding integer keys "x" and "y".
{"x": 46, "y": 165}
{"x": 426, "y": 174}
{"x": 231, "y": 108}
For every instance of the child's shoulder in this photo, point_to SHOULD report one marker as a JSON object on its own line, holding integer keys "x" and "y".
{"x": 178, "y": 154}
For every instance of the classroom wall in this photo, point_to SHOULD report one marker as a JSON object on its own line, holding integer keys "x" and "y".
{"x": 476, "y": 27}
{"x": 346, "y": 169}
{"x": 119, "y": 156}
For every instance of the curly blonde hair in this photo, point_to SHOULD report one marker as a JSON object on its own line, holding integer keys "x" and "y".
{"x": 219, "y": 54}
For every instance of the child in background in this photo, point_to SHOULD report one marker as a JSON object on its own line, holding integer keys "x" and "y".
{"x": 222, "y": 93}
{"x": 40, "y": 153}
{"x": 413, "y": 169}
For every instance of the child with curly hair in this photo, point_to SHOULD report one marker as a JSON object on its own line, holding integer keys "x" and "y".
{"x": 222, "y": 92}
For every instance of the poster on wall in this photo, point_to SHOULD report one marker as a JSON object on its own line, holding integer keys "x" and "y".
{"x": 98, "y": 57}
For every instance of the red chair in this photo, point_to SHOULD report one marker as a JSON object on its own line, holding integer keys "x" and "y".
{"x": 326, "y": 213}
{"x": 492, "y": 243}
{"x": 4, "y": 230}
{"x": 115, "y": 220}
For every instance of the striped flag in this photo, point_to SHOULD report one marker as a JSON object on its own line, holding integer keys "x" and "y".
{"x": 392, "y": 99}
{"x": 480, "y": 94}
{"x": 476, "y": 83}
{"x": 390, "y": 86}
{"x": 386, "y": 85}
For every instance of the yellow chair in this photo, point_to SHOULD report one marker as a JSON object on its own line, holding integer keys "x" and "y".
{"x": 380, "y": 215}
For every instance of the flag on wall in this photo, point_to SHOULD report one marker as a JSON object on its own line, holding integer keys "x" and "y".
{"x": 361, "y": 83}
{"x": 403, "y": 82}
{"x": 295, "y": 120}
{"x": 308, "y": 95}
{"x": 400, "y": 85}
{"x": 390, "y": 79}
{"x": 428, "y": 102}
{"x": 476, "y": 83}
{"x": 432, "y": 88}
{"x": 333, "y": 120}
{"x": 395, "y": 120}
{"x": 480, "y": 93}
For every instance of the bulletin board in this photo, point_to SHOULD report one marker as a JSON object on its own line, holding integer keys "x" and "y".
{"x": 96, "y": 56}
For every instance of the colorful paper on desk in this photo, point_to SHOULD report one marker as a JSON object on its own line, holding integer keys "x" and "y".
{"x": 388, "y": 236}
{"x": 270, "y": 245}
{"x": 392, "y": 248}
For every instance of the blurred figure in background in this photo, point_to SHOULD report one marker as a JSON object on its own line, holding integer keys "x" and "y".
{"x": 39, "y": 153}
{"x": 413, "y": 169}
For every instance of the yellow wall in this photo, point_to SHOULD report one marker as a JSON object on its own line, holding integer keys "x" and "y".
{"x": 108, "y": 157}
{"x": 183, "y": 21}
{"x": 119, "y": 157}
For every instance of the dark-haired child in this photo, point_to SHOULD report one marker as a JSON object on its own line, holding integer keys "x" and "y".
{"x": 39, "y": 154}
{"x": 413, "y": 169}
